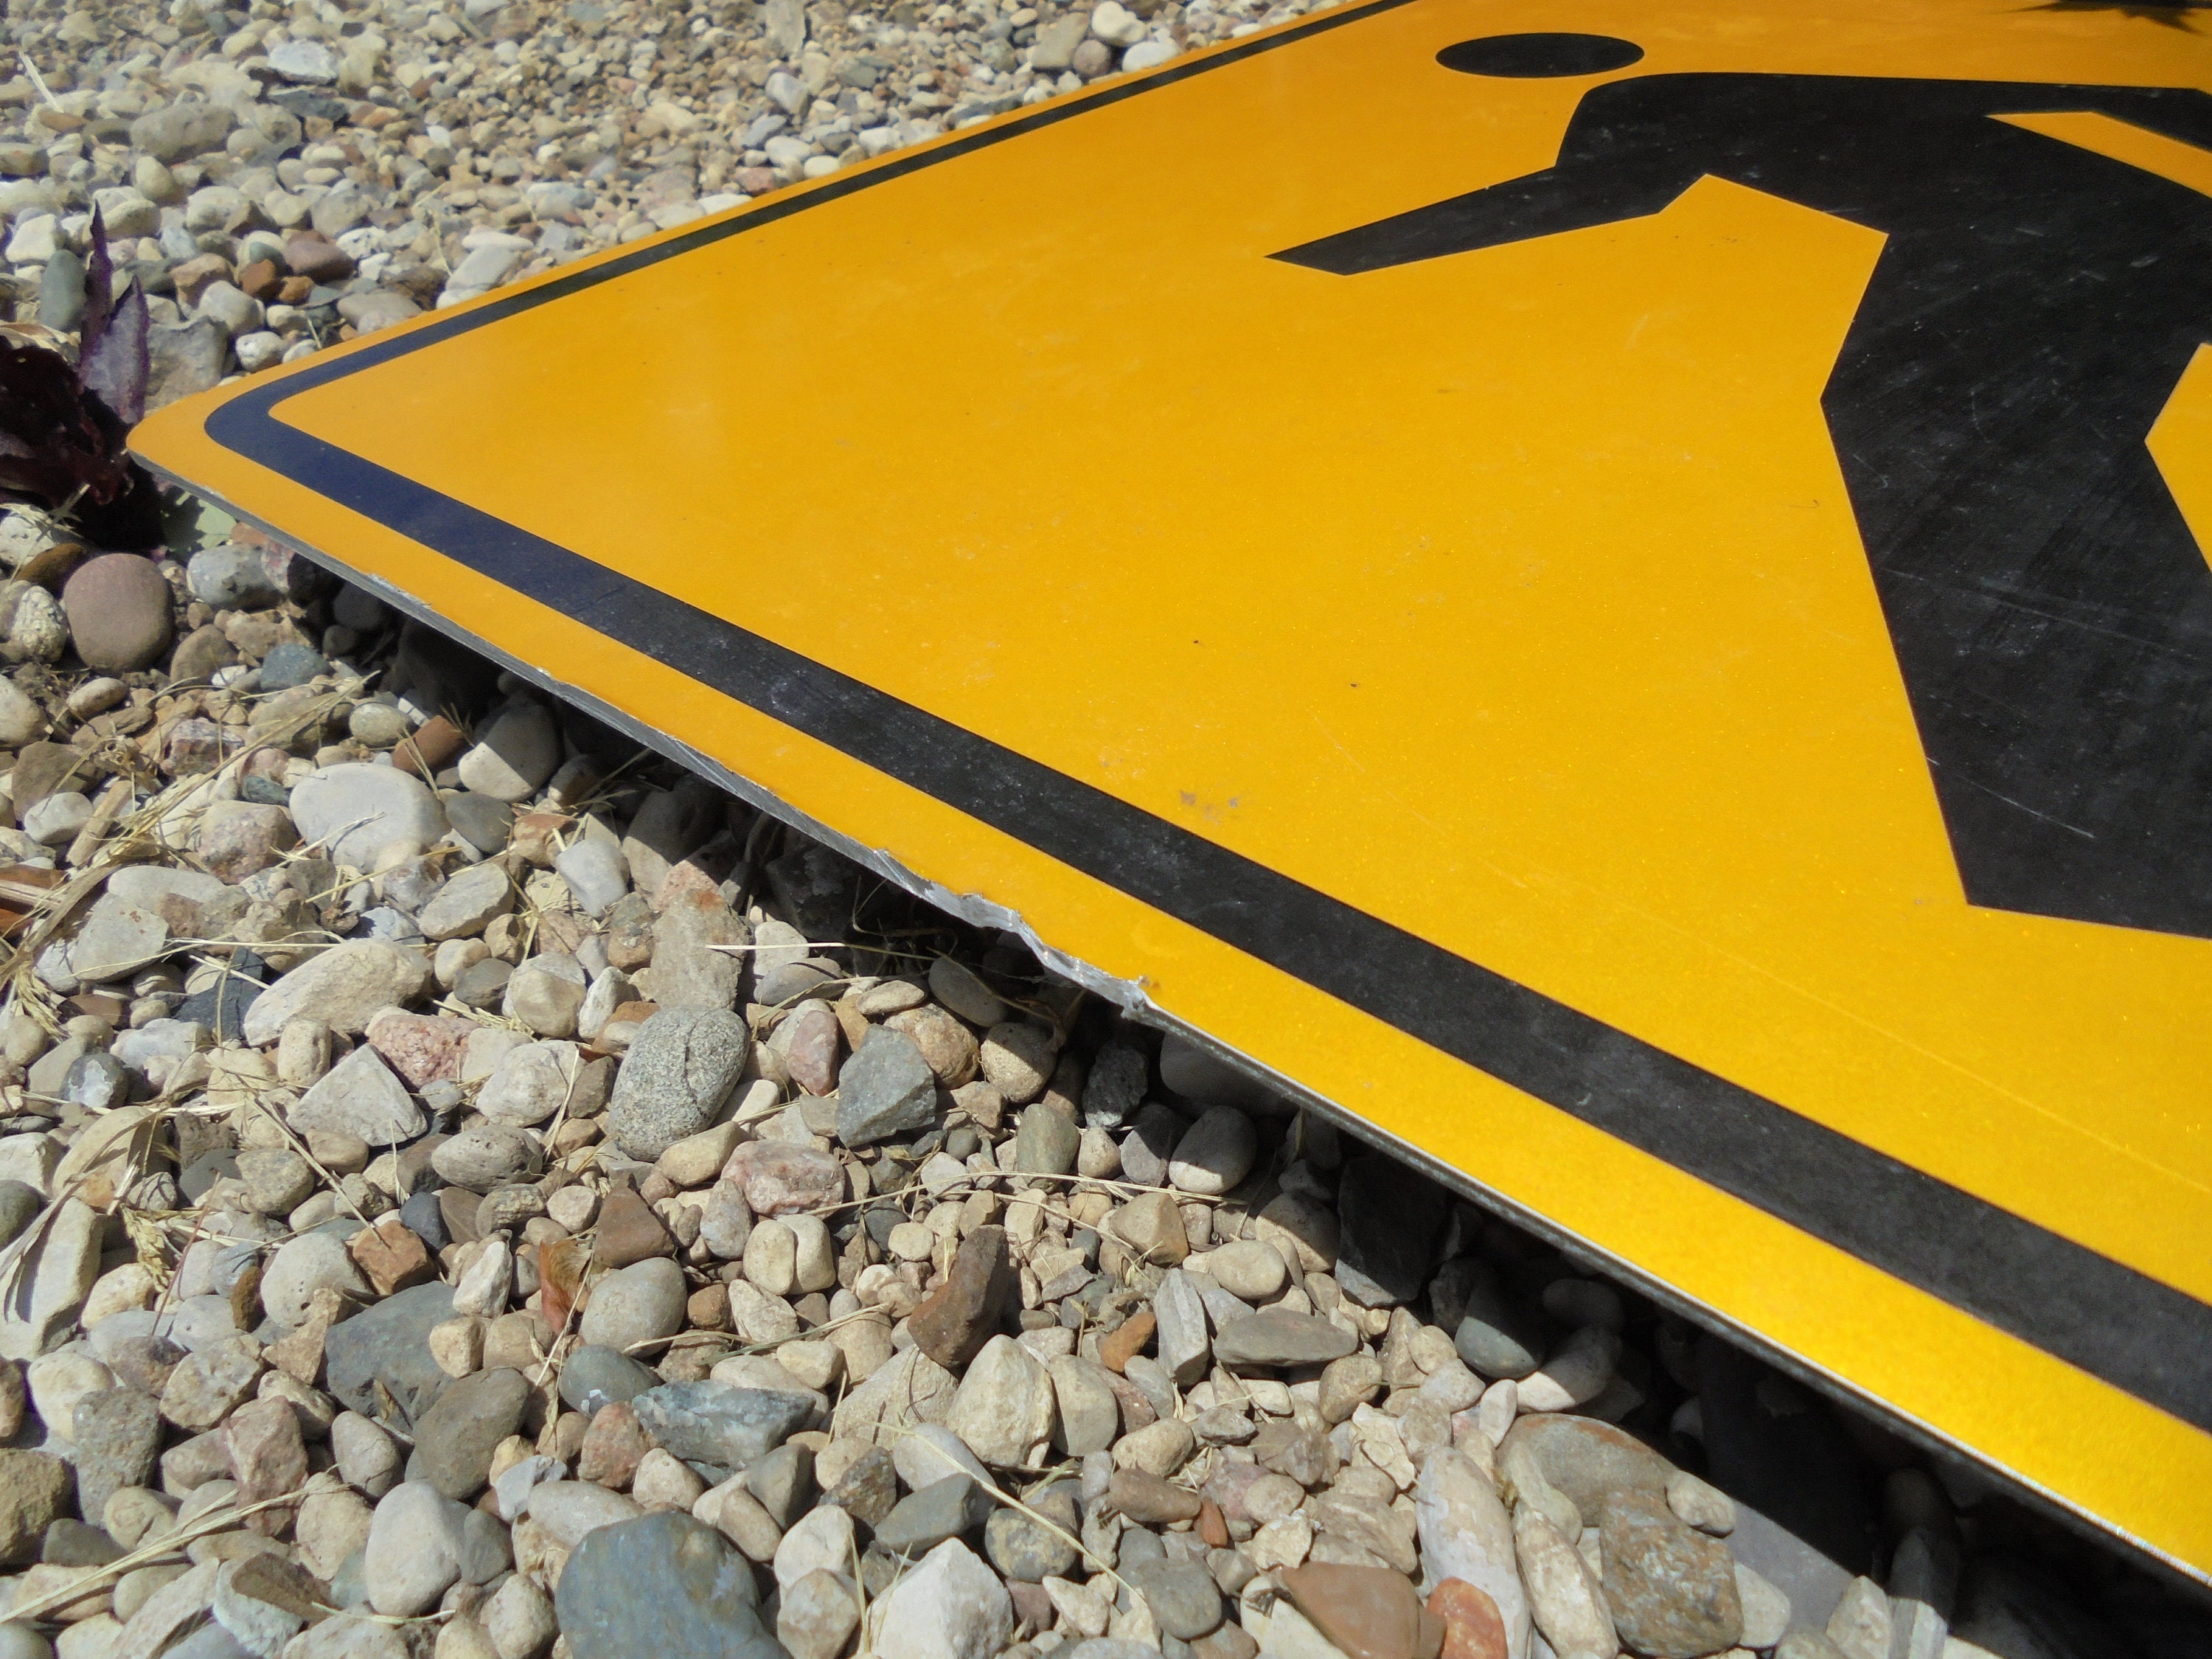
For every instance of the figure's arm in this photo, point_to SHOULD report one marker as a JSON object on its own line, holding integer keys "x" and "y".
{"x": 1569, "y": 196}
{"x": 2177, "y": 112}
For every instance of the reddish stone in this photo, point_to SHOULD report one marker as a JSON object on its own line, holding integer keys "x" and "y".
{"x": 811, "y": 1051}
{"x": 260, "y": 280}
{"x": 197, "y": 746}
{"x": 622, "y": 1026}
{"x": 628, "y": 1232}
{"x": 299, "y": 1356}
{"x": 391, "y": 1256}
{"x": 757, "y": 181}
{"x": 708, "y": 1308}
{"x": 560, "y": 1282}
{"x": 1033, "y": 1607}
{"x": 536, "y": 835}
{"x": 1118, "y": 1346}
{"x": 423, "y": 1049}
{"x": 294, "y": 291}
{"x": 246, "y": 839}
{"x": 1472, "y": 1628}
{"x": 192, "y": 276}
{"x": 431, "y": 749}
{"x": 779, "y": 1178}
{"x": 1370, "y": 1613}
{"x": 629, "y": 925}
{"x": 1148, "y": 1499}
{"x": 686, "y": 882}
{"x": 318, "y": 261}
{"x": 1137, "y": 1412}
{"x": 963, "y": 1313}
{"x": 613, "y": 1447}
{"x": 266, "y": 763}
{"x": 267, "y": 1458}
{"x": 1212, "y": 1525}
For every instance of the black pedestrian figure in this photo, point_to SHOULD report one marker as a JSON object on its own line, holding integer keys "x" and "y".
{"x": 2028, "y": 318}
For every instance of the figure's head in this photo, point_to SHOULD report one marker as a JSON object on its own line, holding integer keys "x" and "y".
{"x": 1532, "y": 57}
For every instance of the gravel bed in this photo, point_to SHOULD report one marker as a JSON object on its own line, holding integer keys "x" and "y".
{"x": 470, "y": 1189}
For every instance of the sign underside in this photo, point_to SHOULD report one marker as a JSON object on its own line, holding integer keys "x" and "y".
{"x": 1644, "y": 630}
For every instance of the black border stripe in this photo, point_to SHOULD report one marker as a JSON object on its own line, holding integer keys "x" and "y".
{"x": 2120, "y": 1325}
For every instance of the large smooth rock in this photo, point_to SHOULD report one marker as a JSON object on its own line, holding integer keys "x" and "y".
{"x": 886, "y": 1089}
{"x": 911, "y": 1388}
{"x": 681, "y": 1067}
{"x": 361, "y": 1097}
{"x": 597, "y": 1376}
{"x": 571, "y": 1509}
{"x": 949, "y": 1508}
{"x": 1006, "y": 1410}
{"x": 53, "y": 1282}
{"x": 343, "y": 987}
{"x": 633, "y": 1304}
{"x": 231, "y": 577}
{"x": 455, "y": 1439}
{"x": 486, "y": 1154}
{"x": 1495, "y": 1337}
{"x": 357, "y": 810}
{"x": 415, "y": 1549}
{"x": 301, "y": 1266}
{"x": 117, "y": 606}
{"x": 664, "y": 1585}
{"x": 466, "y": 903}
{"x": 713, "y": 1423}
{"x": 1215, "y": 1153}
{"x": 1280, "y": 1336}
{"x": 1585, "y": 1459}
{"x": 383, "y": 1353}
{"x": 517, "y": 754}
{"x": 1672, "y": 1589}
{"x": 949, "y": 1607}
{"x": 1465, "y": 1533}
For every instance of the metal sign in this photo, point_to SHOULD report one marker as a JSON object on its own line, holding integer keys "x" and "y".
{"x": 1618, "y": 590}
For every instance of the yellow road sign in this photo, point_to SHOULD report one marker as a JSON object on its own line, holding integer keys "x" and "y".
{"x": 1634, "y": 625}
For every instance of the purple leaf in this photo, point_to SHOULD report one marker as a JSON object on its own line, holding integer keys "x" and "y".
{"x": 59, "y": 442}
{"x": 99, "y": 290}
{"x": 114, "y": 367}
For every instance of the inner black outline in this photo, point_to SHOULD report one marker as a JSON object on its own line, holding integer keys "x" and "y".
{"x": 2120, "y": 1325}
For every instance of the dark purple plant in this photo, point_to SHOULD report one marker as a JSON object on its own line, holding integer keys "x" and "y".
{"x": 63, "y": 428}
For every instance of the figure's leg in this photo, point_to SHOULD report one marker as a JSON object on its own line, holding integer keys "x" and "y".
{"x": 2051, "y": 612}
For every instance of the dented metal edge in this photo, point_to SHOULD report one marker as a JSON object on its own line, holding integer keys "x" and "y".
{"x": 1133, "y": 998}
